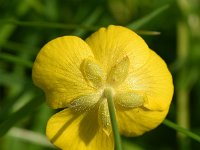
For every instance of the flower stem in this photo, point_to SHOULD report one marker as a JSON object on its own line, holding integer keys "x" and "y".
{"x": 183, "y": 88}
{"x": 109, "y": 95}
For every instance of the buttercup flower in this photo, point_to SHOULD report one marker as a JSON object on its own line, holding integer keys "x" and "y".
{"x": 74, "y": 75}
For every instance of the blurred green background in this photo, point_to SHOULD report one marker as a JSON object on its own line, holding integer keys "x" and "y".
{"x": 170, "y": 27}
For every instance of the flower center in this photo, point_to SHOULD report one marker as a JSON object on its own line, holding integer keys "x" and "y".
{"x": 99, "y": 80}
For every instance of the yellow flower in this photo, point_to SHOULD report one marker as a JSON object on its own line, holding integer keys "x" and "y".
{"x": 74, "y": 75}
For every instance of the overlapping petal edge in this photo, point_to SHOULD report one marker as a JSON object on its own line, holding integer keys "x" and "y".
{"x": 57, "y": 71}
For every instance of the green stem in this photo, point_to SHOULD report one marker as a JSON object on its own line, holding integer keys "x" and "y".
{"x": 48, "y": 25}
{"x": 117, "y": 138}
{"x": 183, "y": 91}
{"x": 182, "y": 130}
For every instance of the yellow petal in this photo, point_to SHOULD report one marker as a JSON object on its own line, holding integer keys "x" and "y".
{"x": 137, "y": 121}
{"x": 74, "y": 131}
{"x": 112, "y": 44}
{"x": 153, "y": 79}
{"x": 57, "y": 70}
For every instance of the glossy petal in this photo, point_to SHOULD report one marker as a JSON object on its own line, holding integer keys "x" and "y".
{"x": 74, "y": 131}
{"x": 57, "y": 70}
{"x": 153, "y": 79}
{"x": 137, "y": 121}
{"x": 76, "y": 74}
{"x": 112, "y": 44}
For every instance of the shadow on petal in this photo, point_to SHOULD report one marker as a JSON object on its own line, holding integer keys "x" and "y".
{"x": 77, "y": 130}
{"x": 63, "y": 128}
{"x": 89, "y": 127}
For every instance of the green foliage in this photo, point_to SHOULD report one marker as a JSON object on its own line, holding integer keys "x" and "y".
{"x": 26, "y": 25}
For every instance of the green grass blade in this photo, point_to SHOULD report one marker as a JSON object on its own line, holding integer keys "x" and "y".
{"x": 182, "y": 130}
{"x": 29, "y": 136}
{"x": 49, "y": 25}
{"x": 91, "y": 20}
{"x": 145, "y": 32}
{"x": 11, "y": 46}
{"x": 141, "y": 22}
{"x": 6, "y": 30}
{"x": 14, "y": 59}
{"x": 17, "y": 116}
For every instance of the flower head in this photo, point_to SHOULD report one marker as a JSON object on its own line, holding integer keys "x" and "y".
{"x": 74, "y": 75}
